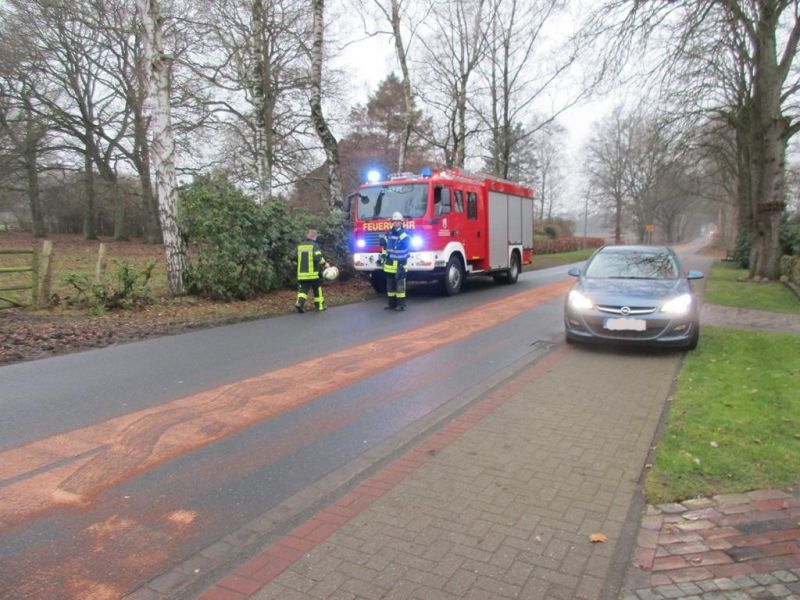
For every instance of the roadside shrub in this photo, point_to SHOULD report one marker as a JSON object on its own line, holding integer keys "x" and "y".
{"x": 790, "y": 234}
{"x": 131, "y": 288}
{"x": 237, "y": 248}
{"x": 790, "y": 268}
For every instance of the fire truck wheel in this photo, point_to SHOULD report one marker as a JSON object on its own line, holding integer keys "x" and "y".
{"x": 378, "y": 281}
{"x": 453, "y": 276}
{"x": 510, "y": 277}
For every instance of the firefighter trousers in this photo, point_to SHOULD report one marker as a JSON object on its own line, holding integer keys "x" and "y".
{"x": 396, "y": 289}
{"x": 306, "y": 287}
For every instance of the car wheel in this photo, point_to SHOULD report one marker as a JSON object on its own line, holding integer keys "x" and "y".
{"x": 453, "y": 277}
{"x": 378, "y": 281}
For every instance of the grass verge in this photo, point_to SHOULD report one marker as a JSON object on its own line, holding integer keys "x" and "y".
{"x": 733, "y": 424}
{"x": 544, "y": 261}
{"x": 726, "y": 286}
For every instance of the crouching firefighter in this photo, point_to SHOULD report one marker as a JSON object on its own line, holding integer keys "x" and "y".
{"x": 394, "y": 254}
{"x": 310, "y": 263}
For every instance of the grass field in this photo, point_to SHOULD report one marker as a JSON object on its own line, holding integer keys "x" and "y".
{"x": 733, "y": 425}
{"x": 73, "y": 254}
{"x": 727, "y": 286}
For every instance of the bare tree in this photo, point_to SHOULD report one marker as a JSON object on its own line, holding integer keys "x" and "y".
{"x": 329, "y": 143}
{"x": 523, "y": 65}
{"x": 163, "y": 144}
{"x": 398, "y": 15}
{"x": 547, "y": 142}
{"x": 764, "y": 35}
{"x": 607, "y": 160}
{"x": 25, "y": 132}
{"x": 71, "y": 53}
{"x": 256, "y": 60}
{"x": 454, "y": 45}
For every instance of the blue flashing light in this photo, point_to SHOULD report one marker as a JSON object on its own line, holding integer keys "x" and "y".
{"x": 361, "y": 243}
{"x": 373, "y": 176}
{"x": 426, "y": 172}
{"x": 417, "y": 242}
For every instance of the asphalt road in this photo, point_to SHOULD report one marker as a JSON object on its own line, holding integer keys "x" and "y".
{"x": 118, "y": 463}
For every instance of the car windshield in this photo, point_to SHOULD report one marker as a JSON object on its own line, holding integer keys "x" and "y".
{"x": 379, "y": 202}
{"x": 632, "y": 265}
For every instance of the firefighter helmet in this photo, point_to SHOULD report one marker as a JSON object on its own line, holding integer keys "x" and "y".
{"x": 330, "y": 273}
{"x": 397, "y": 216}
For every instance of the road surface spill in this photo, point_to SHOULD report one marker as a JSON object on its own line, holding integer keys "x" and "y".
{"x": 68, "y": 470}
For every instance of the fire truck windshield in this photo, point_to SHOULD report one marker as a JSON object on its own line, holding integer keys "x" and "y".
{"x": 379, "y": 202}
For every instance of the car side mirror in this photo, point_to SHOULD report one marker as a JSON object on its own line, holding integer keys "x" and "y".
{"x": 576, "y": 272}
{"x": 692, "y": 274}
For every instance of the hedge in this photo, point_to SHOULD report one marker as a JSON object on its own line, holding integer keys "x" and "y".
{"x": 566, "y": 244}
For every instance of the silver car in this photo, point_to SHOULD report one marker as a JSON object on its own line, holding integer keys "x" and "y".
{"x": 633, "y": 294}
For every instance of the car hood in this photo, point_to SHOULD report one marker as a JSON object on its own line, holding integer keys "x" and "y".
{"x": 631, "y": 291}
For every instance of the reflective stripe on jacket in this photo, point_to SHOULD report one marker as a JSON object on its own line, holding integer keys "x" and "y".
{"x": 398, "y": 244}
{"x": 309, "y": 260}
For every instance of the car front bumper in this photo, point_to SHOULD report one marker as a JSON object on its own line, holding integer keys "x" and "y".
{"x": 592, "y": 326}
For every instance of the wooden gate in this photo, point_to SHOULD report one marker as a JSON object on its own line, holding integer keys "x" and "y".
{"x": 14, "y": 264}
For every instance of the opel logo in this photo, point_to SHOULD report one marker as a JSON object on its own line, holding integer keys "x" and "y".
{"x": 625, "y": 310}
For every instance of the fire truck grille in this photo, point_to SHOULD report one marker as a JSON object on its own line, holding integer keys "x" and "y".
{"x": 372, "y": 238}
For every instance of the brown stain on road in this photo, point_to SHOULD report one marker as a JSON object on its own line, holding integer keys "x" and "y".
{"x": 70, "y": 468}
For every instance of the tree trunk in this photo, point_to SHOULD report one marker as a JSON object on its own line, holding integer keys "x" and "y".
{"x": 329, "y": 143}
{"x": 120, "y": 227}
{"x": 89, "y": 225}
{"x": 769, "y": 201}
{"x": 408, "y": 101}
{"x": 770, "y": 138}
{"x": 141, "y": 158}
{"x": 37, "y": 219}
{"x": 263, "y": 100}
{"x": 163, "y": 145}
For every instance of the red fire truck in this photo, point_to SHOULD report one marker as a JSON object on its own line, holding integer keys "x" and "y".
{"x": 460, "y": 225}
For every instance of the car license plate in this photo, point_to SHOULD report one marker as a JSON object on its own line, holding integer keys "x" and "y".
{"x": 625, "y": 324}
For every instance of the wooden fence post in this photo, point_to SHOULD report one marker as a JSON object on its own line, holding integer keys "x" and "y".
{"x": 46, "y": 273}
{"x": 34, "y": 278}
{"x": 101, "y": 264}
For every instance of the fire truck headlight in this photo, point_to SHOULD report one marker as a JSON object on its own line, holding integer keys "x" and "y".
{"x": 361, "y": 243}
{"x": 417, "y": 242}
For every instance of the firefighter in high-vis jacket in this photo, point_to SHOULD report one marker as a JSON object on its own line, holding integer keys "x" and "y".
{"x": 310, "y": 263}
{"x": 394, "y": 254}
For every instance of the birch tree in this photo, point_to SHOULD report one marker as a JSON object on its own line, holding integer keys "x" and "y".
{"x": 329, "y": 142}
{"x": 399, "y": 16}
{"x": 157, "y": 79}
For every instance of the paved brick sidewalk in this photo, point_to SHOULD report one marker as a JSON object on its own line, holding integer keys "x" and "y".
{"x": 729, "y": 316}
{"x": 499, "y": 503}
{"x": 733, "y": 546}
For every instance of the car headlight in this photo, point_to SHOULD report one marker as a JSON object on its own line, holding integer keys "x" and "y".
{"x": 578, "y": 301}
{"x": 679, "y": 305}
